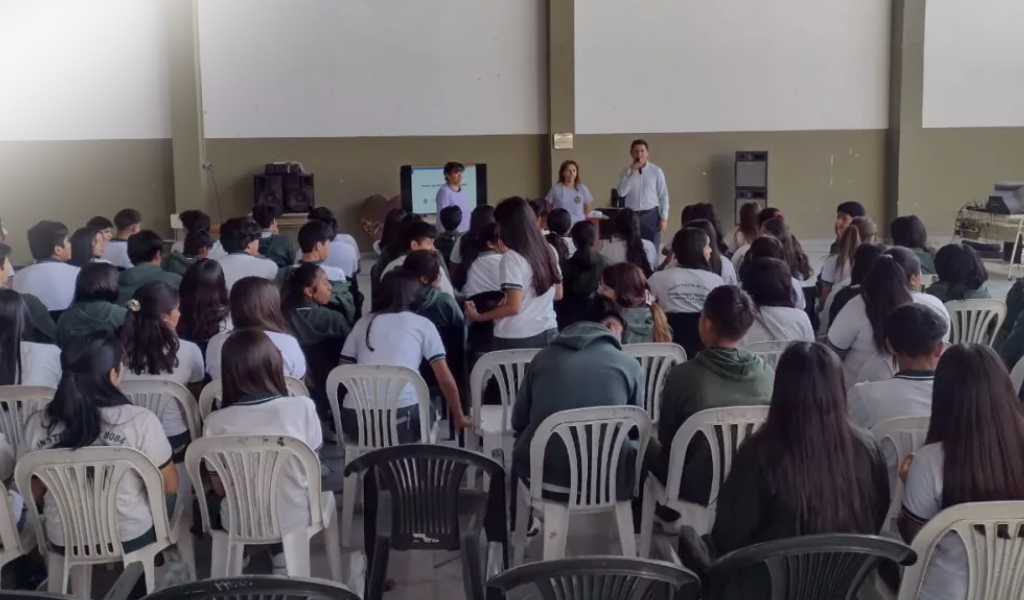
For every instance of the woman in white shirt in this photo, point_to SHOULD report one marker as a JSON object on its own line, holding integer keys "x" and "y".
{"x": 530, "y": 278}
{"x": 972, "y": 453}
{"x": 23, "y": 362}
{"x": 569, "y": 194}
{"x": 627, "y": 246}
{"x": 777, "y": 319}
{"x": 154, "y": 352}
{"x": 858, "y": 332}
{"x": 89, "y": 410}
{"x": 838, "y": 266}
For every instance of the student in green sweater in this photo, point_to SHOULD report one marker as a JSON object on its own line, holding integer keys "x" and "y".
{"x": 908, "y": 231}
{"x": 962, "y": 275}
{"x": 625, "y": 284}
{"x": 315, "y": 243}
{"x": 721, "y": 375}
{"x": 94, "y": 308}
{"x": 198, "y": 244}
{"x": 440, "y": 309}
{"x": 273, "y": 245}
{"x": 145, "y": 250}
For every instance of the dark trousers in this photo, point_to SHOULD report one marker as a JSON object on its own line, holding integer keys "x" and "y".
{"x": 650, "y": 220}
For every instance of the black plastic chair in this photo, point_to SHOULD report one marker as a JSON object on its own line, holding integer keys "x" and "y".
{"x": 256, "y": 587}
{"x": 816, "y": 567}
{"x": 420, "y": 505}
{"x": 120, "y": 590}
{"x": 601, "y": 578}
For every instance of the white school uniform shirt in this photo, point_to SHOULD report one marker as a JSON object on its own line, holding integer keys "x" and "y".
{"x": 291, "y": 416}
{"x": 537, "y": 314}
{"x": 52, "y": 281}
{"x": 190, "y": 369}
{"x": 680, "y": 290}
{"x": 615, "y": 252}
{"x": 217, "y": 251}
{"x": 40, "y": 364}
{"x": 239, "y": 265}
{"x": 830, "y": 274}
{"x": 446, "y": 283}
{"x": 484, "y": 275}
{"x": 779, "y": 324}
{"x": 728, "y": 273}
{"x": 343, "y": 255}
{"x": 798, "y": 294}
{"x": 852, "y": 335}
{"x": 291, "y": 354}
{"x": 738, "y": 256}
{"x": 907, "y": 394}
{"x": 402, "y": 339}
{"x": 571, "y": 245}
{"x": 116, "y": 253}
{"x": 126, "y": 426}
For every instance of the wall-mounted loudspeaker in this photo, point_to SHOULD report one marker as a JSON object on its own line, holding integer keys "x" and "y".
{"x": 751, "y": 180}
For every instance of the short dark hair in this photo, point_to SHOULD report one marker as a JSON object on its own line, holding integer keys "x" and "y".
{"x": 196, "y": 240}
{"x": 313, "y": 233}
{"x": 99, "y": 223}
{"x": 5, "y": 253}
{"x": 560, "y": 222}
{"x": 417, "y": 231}
{"x": 730, "y": 310}
{"x": 193, "y": 220}
{"x": 539, "y": 207}
{"x": 126, "y": 217}
{"x": 265, "y": 214}
{"x": 423, "y": 264}
{"x": 961, "y": 269}
{"x": 236, "y": 234}
{"x": 600, "y": 309}
{"x": 97, "y": 282}
{"x": 853, "y": 209}
{"x": 638, "y": 142}
{"x": 144, "y": 246}
{"x": 450, "y": 217}
{"x": 453, "y": 167}
{"x": 908, "y": 231}
{"x": 44, "y": 236}
{"x": 324, "y": 215}
{"x": 769, "y": 282}
{"x": 914, "y": 330}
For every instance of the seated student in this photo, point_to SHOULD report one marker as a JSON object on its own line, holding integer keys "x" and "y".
{"x": 792, "y": 252}
{"x": 88, "y": 409}
{"x": 581, "y": 274}
{"x": 748, "y": 229}
{"x": 8, "y": 460}
{"x": 962, "y": 275}
{"x": 87, "y": 246}
{"x": 540, "y": 211}
{"x": 195, "y": 221}
{"x": 765, "y": 215}
{"x": 683, "y": 286}
{"x": 1014, "y": 309}
{"x": 127, "y": 222}
{"x": 256, "y": 402}
{"x": 153, "y": 351}
{"x": 440, "y": 309}
{"x": 838, "y": 265}
{"x": 240, "y": 238}
{"x": 315, "y": 243}
{"x": 256, "y": 304}
{"x": 320, "y": 331}
{"x": 23, "y": 362}
{"x": 145, "y": 249}
{"x": 768, "y": 246}
{"x": 626, "y": 244}
{"x": 776, "y": 317}
{"x": 917, "y": 336}
{"x": 908, "y": 231}
{"x": 102, "y": 225}
{"x": 43, "y": 330}
{"x": 273, "y": 245}
{"x": 862, "y": 261}
{"x": 846, "y": 212}
{"x": 204, "y": 303}
{"x": 806, "y": 471}
{"x": 858, "y": 332}
{"x": 392, "y": 242}
{"x": 344, "y": 252}
{"x": 450, "y": 219}
{"x": 559, "y": 226}
{"x": 719, "y": 262}
{"x": 95, "y": 307}
{"x": 971, "y": 454}
{"x": 197, "y": 245}
{"x": 50, "y": 278}
{"x": 626, "y": 285}
{"x": 419, "y": 235}
{"x": 602, "y": 375}
{"x": 704, "y": 211}
{"x": 483, "y": 273}
{"x": 470, "y": 245}
{"x": 719, "y": 376}
{"x": 394, "y": 335}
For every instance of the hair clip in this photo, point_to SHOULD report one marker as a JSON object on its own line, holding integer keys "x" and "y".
{"x": 133, "y": 305}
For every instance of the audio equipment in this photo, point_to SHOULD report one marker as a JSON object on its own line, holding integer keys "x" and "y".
{"x": 268, "y": 189}
{"x": 298, "y": 193}
{"x": 285, "y": 185}
{"x": 751, "y": 179}
{"x": 1007, "y": 199}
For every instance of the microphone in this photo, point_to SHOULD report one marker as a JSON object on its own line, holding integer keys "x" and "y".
{"x": 641, "y": 170}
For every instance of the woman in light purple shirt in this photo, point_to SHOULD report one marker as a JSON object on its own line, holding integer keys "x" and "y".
{"x": 452, "y": 194}
{"x": 569, "y": 193}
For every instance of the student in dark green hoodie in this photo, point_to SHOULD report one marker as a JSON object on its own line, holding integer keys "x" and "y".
{"x": 273, "y": 245}
{"x": 145, "y": 250}
{"x": 962, "y": 275}
{"x": 441, "y": 309}
{"x": 625, "y": 284}
{"x": 93, "y": 309}
{"x": 197, "y": 244}
{"x": 315, "y": 243}
{"x": 721, "y": 375}
{"x": 908, "y": 231}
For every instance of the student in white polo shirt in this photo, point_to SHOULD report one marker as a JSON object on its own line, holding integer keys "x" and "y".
{"x": 89, "y": 410}
{"x": 484, "y": 273}
{"x": 776, "y": 319}
{"x": 972, "y": 453}
{"x": 626, "y": 244}
{"x": 768, "y": 246}
{"x": 154, "y": 352}
{"x": 256, "y": 304}
{"x": 50, "y": 278}
{"x": 858, "y": 332}
{"x": 469, "y": 245}
{"x": 240, "y": 238}
{"x": 839, "y": 265}
{"x": 23, "y": 362}
{"x": 127, "y": 222}
{"x": 256, "y": 402}
{"x": 344, "y": 253}
{"x": 530, "y": 278}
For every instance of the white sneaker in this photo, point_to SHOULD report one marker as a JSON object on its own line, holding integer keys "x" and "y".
{"x": 279, "y": 568}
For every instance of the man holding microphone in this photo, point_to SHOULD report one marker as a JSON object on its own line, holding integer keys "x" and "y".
{"x": 643, "y": 188}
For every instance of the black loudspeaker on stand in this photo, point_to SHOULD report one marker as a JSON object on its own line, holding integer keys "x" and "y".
{"x": 751, "y": 179}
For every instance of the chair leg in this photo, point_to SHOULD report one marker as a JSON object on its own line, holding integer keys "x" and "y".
{"x": 332, "y": 544}
{"x": 236, "y": 559}
{"x": 57, "y": 573}
{"x": 624, "y": 519}
{"x": 81, "y": 581}
{"x": 348, "y": 508}
{"x": 647, "y": 521}
{"x": 149, "y": 569}
{"x": 185, "y": 546}
{"x": 379, "y": 568}
{"x": 219, "y": 559}
{"x": 491, "y": 442}
{"x": 556, "y": 530}
{"x": 519, "y": 539}
{"x": 472, "y": 566}
{"x": 296, "y": 553}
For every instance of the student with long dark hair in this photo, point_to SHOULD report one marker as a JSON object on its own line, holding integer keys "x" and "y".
{"x": 776, "y": 318}
{"x": 195, "y": 221}
{"x": 704, "y": 211}
{"x": 23, "y": 362}
{"x": 962, "y": 275}
{"x": 719, "y": 262}
{"x": 484, "y": 272}
{"x": 768, "y": 246}
{"x": 316, "y": 245}
{"x": 862, "y": 261}
{"x": 626, "y": 244}
{"x": 392, "y": 242}
{"x": 682, "y": 288}
{"x": 763, "y": 216}
{"x": 626, "y": 285}
{"x": 88, "y": 409}
{"x": 471, "y": 245}
{"x": 393, "y": 334}
{"x": 559, "y": 225}
{"x": 87, "y": 246}
{"x": 748, "y": 230}
{"x": 908, "y": 231}
{"x": 204, "y": 303}
{"x": 439, "y": 308}
{"x": 838, "y": 265}
{"x": 858, "y": 332}
{"x": 94, "y": 308}
{"x": 972, "y": 453}
{"x": 792, "y": 251}
{"x": 581, "y": 274}
{"x": 530, "y": 278}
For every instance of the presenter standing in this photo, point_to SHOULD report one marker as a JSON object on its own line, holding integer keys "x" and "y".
{"x": 569, "y": 194}
{"x": 643, "y": 188}
{"x": 452, "y": 194}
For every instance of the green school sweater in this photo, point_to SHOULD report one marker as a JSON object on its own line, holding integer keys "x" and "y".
{"x": 940, "y": 289}
{"x": 444, "y": 312}
{"x": 178, "y": 263}
{"x": 136, "y": 277}
{"x": 85, "y": 317}
{"x": 639, "y": 325}
{"x": 278, "y": 248}
{"x": 321, "y": 333}
{"x": 342, "y": 301}
{"x": 44, "y": 330}
{"x": 927, "y": 261}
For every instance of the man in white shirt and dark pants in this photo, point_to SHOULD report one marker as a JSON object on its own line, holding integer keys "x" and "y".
{"x": 642, "y": 186}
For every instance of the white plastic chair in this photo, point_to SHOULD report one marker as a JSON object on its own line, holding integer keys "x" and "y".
{"x": 769, "y": 351}
{"x": 656, "y": 360}
{"x": 250, "y": 467}
{"x": 593, "y": 464}
{"x": 975, "y": 321}
{"x": 209, "y": 398}
{"x": 375, "y": 391}
{"x": 83, "y": 484}
{"x": 992, "y": 534}
{"x": 492, "y": 425}
{"x": 17, "y": 403}
{"x": 14, "y": 543}
{"x": 899, "y": 439}
{"x": 725, "y": 429}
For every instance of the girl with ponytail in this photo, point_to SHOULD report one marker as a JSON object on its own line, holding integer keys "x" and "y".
{"x": 645, "y": 321}
{"x": 628, "y": 246}
{"x": 838, "y": 266}
{"x": 559, "y": 224}
{"x": 581, "y": 274}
